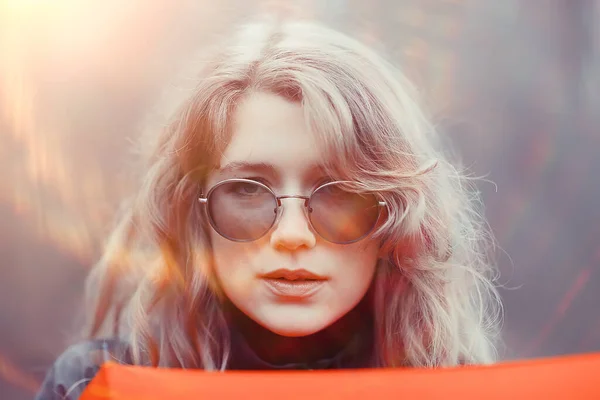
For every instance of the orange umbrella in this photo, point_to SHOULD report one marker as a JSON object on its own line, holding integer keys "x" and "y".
{"x": 573, "y": 377}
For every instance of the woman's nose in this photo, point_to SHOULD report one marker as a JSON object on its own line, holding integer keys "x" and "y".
{"x": 293, "y": 231}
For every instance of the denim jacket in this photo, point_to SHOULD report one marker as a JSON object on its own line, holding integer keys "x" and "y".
{"x": 78, "y": 365}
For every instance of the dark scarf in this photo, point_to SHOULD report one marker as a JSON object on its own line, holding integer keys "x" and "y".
{"x": 348, "y": 343}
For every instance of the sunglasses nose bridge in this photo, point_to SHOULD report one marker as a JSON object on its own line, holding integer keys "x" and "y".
{"x": 280, "y": 211}
{"x": 305, "y": 207}
{"x": 305, "y": 198}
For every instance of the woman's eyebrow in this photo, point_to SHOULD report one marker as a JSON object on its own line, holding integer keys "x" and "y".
{"x": 240, "y": 166}
{"x": 262, "y": 167}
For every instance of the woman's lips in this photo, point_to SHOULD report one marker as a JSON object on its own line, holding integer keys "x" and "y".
{"x": 297, "y": 288}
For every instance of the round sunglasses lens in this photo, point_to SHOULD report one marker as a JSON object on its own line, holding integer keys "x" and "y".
{"x": 341, "y": 216}
{"x": 242, "y": 210}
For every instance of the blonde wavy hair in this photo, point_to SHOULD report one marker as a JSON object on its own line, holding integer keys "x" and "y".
{"x": 435, "y": 298}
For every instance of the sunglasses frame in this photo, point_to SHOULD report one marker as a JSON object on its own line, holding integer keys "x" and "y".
{"x": 279, "y": 207}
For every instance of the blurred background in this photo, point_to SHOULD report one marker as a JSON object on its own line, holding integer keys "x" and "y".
{"x": 514, "y": 83}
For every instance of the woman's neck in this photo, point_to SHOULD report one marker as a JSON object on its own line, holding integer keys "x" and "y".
{"x": 280, "y": 350}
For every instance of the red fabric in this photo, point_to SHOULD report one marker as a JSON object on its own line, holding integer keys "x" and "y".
{"x": 573, "y": 377}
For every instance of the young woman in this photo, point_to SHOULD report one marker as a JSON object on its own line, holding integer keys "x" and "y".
{"x": 298, "y": 212}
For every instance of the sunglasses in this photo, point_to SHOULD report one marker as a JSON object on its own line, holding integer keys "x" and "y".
{"x": 244, "y": 210}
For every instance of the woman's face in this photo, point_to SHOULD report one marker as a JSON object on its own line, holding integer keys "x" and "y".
{"x": 271, "y": 139}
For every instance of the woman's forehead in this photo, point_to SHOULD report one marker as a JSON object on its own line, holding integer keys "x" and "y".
{"x": 269, "y": 130}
